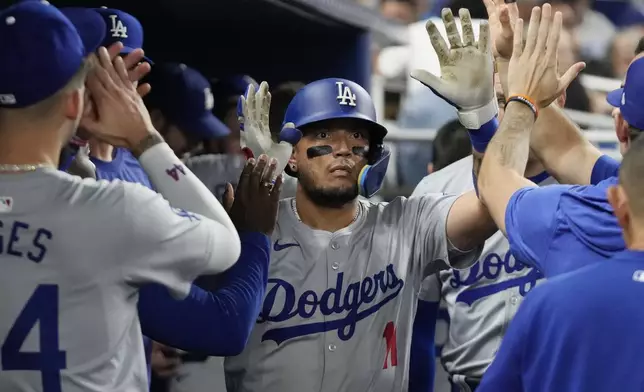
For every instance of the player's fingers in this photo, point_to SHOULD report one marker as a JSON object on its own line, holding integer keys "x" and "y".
{"x": 228, "y": 198}
{"x": 544, "y": 30}
{"x": 121, "y": 71}
{"x": 260, "y": 98}
{"x": 105, "y": 63}
{"x": 266, "y": 108}
{"x": 143, "y": 89}
{"x": 517, "y": 50}
{"x": 255, "y": 181}
{"x": 533, "y": 31}
{"x": 138, "y": 72}
{"x": 484, "y": 37}
{"x": 438, "y": 42}
{"x": 277, "y": 190}
{"x": 570, "y": 75}
{"x": 466, "y": 26}
{"x": 269, "y": 174}
{"x": 552, "y": 45}
{"x": 134, "y": 58}
{"x": 244, "y": 178}
{"x": 490, "y": 7}
{"x": 241, "y": 112}
{"x": 453, "y": 35}
{"x": 250, "y": 103}
{"x": 114, "y": 50}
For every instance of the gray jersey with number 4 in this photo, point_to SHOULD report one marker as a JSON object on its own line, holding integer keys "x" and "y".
{"x": 215, "y": 170}
{"x": 73, "y": 253}
{"x": 482, "y": 299}
{"x": 338, "y": 311}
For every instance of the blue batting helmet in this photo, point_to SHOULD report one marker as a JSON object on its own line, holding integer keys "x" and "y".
{"x": 336, "y": 98}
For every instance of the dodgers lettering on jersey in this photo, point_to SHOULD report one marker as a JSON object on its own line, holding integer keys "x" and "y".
{"x": 338, "y": 311}
{"x": 73, "y": 253}
{"x": 481, "y": 300}
{"x": 333, "y": 301}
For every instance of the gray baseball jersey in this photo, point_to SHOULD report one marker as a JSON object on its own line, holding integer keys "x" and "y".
{"x": 338, "y": 311}
{"x": 482, "y": 299}
{"x": 215, "y": 170}
{"x": 73, "y": 253}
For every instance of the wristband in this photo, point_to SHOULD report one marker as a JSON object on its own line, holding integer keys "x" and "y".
{"x": 529, "y": 102}
{"x": 475, "y": 118}
{"x": 481, "y": 137}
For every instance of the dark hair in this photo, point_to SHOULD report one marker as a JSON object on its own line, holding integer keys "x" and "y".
{"x": 476, "y": 8}
{"x": 281, "y": 96}
{"x": 450, "y": 144}
{"x": 634, "y": 133}
{"x": 640, "y": 46}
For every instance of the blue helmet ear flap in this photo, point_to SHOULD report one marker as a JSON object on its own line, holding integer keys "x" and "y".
{"x": 373, "y": 175}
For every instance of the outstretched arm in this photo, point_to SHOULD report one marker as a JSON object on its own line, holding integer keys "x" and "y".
{"x": 217, "y": 318}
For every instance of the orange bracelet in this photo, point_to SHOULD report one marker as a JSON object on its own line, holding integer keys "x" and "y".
{"x": 524, "y": 99}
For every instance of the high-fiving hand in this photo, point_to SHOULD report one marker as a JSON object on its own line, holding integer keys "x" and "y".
{"x": 119, "y": 117}
{"x": 502, "y": 17}
{"x": 467, "y": 70}
{"x": 532, "y": 71}
{"x": 252, "y": 110}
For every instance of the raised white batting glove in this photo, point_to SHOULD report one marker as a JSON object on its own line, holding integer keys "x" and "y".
{"x": 252, "y": 111}
{"x": 467, "y": 69}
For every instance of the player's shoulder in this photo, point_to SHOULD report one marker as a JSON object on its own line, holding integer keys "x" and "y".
{"x": 455, "y": 178}
{"x": 402, "y": 207}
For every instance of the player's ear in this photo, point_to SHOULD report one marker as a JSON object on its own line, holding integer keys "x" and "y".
{"x": 74, "y": 103}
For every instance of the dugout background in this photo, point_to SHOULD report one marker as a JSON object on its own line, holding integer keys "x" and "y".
{"x": 272, "y": 40}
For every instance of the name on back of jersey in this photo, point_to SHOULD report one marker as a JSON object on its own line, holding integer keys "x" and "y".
{"x": 22, "y": 240}
{"x": 350, "y": 303}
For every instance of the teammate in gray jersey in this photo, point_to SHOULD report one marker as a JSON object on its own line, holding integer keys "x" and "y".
{"x": 345, "y": 274}
{"x": 482, "y": 300}
{"x": 74, "y": 251}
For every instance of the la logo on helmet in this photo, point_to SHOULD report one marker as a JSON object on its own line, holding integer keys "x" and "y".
{"x": 118, "y": 29}
{"x": 345, "y": 96}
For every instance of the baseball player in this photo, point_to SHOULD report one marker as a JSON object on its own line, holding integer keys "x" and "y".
{"x": 202, "y": 320}
{"x": 582, "y": 331}
{"x": 482, "y": 300}
{"x": 573, "y": 220}
{"x": 344, "y": 273}
{"x": 75, "y": 251}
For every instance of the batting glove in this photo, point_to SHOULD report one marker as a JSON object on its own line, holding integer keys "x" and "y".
{"x": 252, "y": 112}
{"x": 467, "y": 69}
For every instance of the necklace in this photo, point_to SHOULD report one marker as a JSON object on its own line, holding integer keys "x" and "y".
{"x": 294, "y": 208}
{"x": 23, "y": 168}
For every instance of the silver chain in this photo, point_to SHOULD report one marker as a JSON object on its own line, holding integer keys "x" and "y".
{"x": 23, "y": 168}
{"x": 294, "y": 208}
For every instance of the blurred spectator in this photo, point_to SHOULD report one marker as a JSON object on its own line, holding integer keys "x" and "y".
{"x": 623, "y": 49}
{"x": 180, "y": 106}
{"x": 594, "y": 30}
{"x": 403, "y": 11}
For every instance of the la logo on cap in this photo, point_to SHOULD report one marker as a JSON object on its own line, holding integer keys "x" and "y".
{"x": 118, "y": 29}
{"x": 624, "y": 98}
{"x": 209, "y": 98}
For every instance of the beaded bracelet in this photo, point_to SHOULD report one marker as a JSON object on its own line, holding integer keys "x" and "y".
{"x": 526, "y": 101}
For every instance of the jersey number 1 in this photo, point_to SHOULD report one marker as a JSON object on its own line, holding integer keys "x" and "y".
{"x": 41, "y": 307}
{"x": 391, "y": 356}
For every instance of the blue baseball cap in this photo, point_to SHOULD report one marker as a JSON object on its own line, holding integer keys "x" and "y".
{"x": 630, "y": 98}
{"x": 110, "y": 24}
{"x": 232, "y": 87}
{"x": 41, "y": 52}
{"x": 185, "y": 97}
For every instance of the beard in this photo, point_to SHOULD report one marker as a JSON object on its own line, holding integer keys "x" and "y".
{"x": 328, "y": 197}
